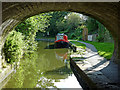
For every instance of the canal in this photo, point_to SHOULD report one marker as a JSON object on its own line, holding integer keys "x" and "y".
{"x": 45, "y": 68}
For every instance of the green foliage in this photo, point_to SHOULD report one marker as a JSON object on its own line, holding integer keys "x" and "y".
{"x": 31, "y": 26}
{"x": 95, "y": 26}
{"x": 100, "y": 39}
{"x": 13, "y": 47}
{"x": 22, "y": 39}
{"x": 91, "y": 25}
{"x": 64, "y": 22}
{"x": 26, "y": 30}
{"x": 72, "y": 25}
{"x": 40, "y": 22}
{"x": 80, "y": 37}
{"x": 73, "y": 20}
{"x": 56, "y": 19}
{"x": 78, "y": 31}
{"x": 103, "y": 34}
{"x": 72, "y": 35}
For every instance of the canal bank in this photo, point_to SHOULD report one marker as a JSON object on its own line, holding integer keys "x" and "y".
{"x": 6, "y": 74}
{"x": 96, "y": 71}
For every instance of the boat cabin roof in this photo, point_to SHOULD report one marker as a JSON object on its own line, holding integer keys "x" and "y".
{"x": 60, "y": 34}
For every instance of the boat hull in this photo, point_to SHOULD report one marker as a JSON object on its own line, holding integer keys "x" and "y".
{"x": 61, "y": 44}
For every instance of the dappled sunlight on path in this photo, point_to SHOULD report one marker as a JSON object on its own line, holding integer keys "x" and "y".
{"x": 100, "y": 70}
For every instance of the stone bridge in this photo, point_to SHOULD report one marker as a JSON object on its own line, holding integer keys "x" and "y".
{"x": 105, "y": 12}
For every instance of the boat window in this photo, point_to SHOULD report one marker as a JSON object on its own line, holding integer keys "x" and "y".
{"x": 59, "y": 37}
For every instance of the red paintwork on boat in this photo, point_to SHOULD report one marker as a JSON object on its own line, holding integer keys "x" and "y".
{"x": 65, "y": 39}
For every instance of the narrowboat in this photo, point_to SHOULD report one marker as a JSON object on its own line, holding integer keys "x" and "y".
{"x": 61, "y": 41}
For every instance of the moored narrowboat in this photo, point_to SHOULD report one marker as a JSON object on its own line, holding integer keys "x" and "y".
{"x": 61, "y": 41}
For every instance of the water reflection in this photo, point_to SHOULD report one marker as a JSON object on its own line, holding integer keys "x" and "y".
{"x": 43, "y": 69}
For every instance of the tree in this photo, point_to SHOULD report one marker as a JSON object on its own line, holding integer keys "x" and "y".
{"x": 56, "y": 17}
{"x": 31, "y": 26}
{"x": 92, "y": 25}
{"x": 13, "y": 47}
{"x": 103, "y": 34}
{"x": 22, "y": 39}
{"x": 71, "y": 24}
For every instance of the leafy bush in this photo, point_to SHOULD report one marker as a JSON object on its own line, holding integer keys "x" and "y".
{"x": 71, "y": 35}
{"x": 22, "y": 39}
{"x": 13, "y": 47}
{"x": 100, "y": 39}
{"x": 80, "y": 37}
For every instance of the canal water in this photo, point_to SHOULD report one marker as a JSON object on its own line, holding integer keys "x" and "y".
{"x": 45, "y": 68}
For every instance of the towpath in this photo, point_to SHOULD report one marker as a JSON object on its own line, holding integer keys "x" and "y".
{"x": 104, "y": 73}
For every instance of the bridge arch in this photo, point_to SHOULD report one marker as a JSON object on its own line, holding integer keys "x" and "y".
{"x": 105, "y": 12}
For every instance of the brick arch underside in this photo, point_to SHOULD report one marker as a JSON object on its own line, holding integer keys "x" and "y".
{"x": 107, "y": 13}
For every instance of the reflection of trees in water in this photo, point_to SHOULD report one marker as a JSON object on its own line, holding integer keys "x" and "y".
{"x": 53, "y": 69}
{"x": 47, "y": 60}
{"x": 43, "y": 82}
{"x": 59, "y": 73}
{"x": 48, "y": 78}
{"x": 25, "y": 77}
{"x": 39, "y": 69}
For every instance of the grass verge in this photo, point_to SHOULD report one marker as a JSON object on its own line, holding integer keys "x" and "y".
{"x": 78, "y": 44}
{"x": 104, "y": 49}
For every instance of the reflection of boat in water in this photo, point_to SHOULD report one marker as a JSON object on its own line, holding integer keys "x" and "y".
{"x": 62, "y": 57}
{"x": 61, "y": 41}
{"x": 61, "y": 54}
